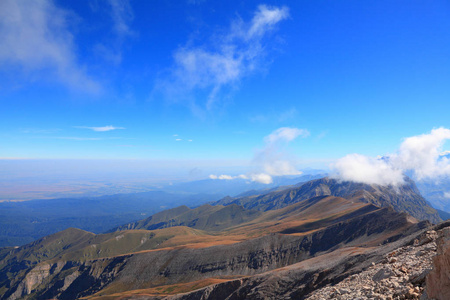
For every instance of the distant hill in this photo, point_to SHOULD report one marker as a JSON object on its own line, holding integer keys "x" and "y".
{"x": 437, "y": 192}
{"x": 443, "y": 214}
{"x": 237, "y": 186}
{"x": 24, "y": 222}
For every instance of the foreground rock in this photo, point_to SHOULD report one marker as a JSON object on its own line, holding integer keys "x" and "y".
{"x": 438, "y": 281}
{"x": 400, "y": 275}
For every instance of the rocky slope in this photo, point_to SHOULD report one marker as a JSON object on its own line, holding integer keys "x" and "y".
{"x": 406, "y": 269}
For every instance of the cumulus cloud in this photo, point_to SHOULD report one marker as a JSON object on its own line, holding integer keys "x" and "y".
{"x": 230, "y": 57}
{"x": 421, "y": 155}
{"x": 35, "y": 37}
{"x": 360, "y": 168}
{"x": 262, "y": 178}
{"x": 100, "y": 129}
{"x": 271, "y": 160}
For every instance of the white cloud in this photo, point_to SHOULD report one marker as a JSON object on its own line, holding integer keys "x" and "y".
{"x": 447, "y": 195}
{"x": 445, "y": 153}
{"x": 360, "y": 168}
{"x": 271, "y": 160}
{"x": 265, "y": 18}
{"x": 227, "y": 177}
{"x": 230, "y": 57}
{"x": 34, "y": 37}
{"x": 280, "y": 168}
{"x": 100, "y": 129}
{"x": 286, "y": 134}
{"x": 420, "y": 155}
{"x": 178, "y": 140}
{"x": 262, "y": 178}
{"x": 75, "y": 138}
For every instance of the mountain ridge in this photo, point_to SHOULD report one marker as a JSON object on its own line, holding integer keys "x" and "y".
{"x": 405, "y": 198}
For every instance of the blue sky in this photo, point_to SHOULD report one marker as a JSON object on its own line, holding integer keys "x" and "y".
{"x": 208, "y": 81}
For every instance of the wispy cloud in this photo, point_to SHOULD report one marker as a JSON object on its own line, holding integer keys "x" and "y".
{"x": 227, "y": 177}
{"x": 421, "y": 155}
{"x": 100, "y": 129}
{"x": 271, "y": 160}
{"x": 179, "y": 139}
{"x": 35, "y": 38}
{"x": 275, "y": 117}
{"x": 40, "y": 130}
{"x": 121, "y": 15}
{"x": 209, "y": 69}
{"x": 75, "y": 138}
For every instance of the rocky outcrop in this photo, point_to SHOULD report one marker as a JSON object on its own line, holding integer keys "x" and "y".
{"x": 438, "y": 281}
{"x": 399, "y": 275}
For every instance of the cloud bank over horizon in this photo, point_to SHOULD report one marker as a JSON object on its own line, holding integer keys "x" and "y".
{"x": 422, "y": 156}
{"x": 271, "y": 160}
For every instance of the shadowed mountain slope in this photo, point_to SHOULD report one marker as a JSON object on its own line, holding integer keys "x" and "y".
{"x": 205, "y": 217}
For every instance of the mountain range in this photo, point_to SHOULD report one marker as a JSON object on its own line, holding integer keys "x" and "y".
{"x": 319, "y": 230}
